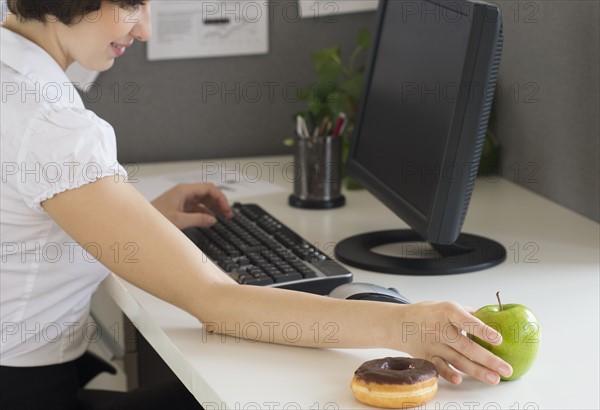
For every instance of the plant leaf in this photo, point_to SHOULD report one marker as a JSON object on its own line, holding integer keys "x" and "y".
{"x": 353, "y": 87}
{"x": 307, "y": 92}
{"x": 326, "y": 56}
{"x": 328, "y": 65}
{"x": 364, "y": 39}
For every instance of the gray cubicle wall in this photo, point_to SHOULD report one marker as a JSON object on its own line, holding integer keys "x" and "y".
{"x": 219, "y": 107}
{"x": 547, "y": 115}
{"x": 549, "y": 110}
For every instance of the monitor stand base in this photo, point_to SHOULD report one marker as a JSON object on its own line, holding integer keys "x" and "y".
{"x": 468, "y": 254}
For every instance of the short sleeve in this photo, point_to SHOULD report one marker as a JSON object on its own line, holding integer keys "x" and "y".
{"x": 64, "y": 148}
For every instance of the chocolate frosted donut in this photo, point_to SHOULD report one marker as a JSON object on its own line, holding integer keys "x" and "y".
{"x": 396, "y": 370}
{"x": 395, "y": 382}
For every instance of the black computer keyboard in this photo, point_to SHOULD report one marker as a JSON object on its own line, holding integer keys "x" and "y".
{"x": 256, "y": 249}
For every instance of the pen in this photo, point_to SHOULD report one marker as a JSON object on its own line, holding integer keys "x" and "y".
{"x": 305, "y": 132}
{"x": 344, "y": 124}
{"x": 301, "y": 128}
{"x": 339, "y": 125}
{"x": 325, "y": 126}
{"x": 316, "y": 131}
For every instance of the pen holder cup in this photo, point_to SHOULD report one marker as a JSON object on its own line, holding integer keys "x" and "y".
{"x": 317, "y": 173}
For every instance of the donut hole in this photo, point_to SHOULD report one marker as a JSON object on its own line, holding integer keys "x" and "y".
{"x": 397, "y": 366}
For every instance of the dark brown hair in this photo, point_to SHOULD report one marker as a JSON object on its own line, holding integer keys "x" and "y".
{"x": 66, "y": 11}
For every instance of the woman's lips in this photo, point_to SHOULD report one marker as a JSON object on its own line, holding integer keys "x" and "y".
{"x": 119, "y": 49}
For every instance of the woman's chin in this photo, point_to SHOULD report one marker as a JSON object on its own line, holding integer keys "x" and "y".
{"x": 98, "y": 66}
{"x": 107, "y": 65}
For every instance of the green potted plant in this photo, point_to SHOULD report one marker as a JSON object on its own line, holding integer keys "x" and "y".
{"x": 337, "y": 89}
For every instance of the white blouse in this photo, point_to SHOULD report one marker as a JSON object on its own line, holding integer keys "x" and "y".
{"x": 50, "y": 144}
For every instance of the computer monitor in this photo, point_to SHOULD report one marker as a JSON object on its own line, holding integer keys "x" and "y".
{"x": 419, "y": 133}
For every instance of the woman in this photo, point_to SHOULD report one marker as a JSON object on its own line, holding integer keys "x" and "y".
{"x": 62, "y": 185}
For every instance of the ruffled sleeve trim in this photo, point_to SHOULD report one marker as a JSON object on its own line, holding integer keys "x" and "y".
{"x": 65, "y": 148}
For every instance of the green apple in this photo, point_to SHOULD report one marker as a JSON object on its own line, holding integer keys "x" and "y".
{"x": 520, "y": 332}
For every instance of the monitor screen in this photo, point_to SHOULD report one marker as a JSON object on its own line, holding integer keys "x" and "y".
{"x": 424, "y": 110}
{"x": 407, "y": 118}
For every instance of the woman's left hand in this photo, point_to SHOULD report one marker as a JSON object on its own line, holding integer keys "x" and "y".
{"x": 187, "y": 205}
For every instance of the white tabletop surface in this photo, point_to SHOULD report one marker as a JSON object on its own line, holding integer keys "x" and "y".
{"x": 552, "y": 267}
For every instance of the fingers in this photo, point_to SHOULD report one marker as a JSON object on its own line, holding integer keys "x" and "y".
{"x": 217, "y": 201}
{"x": 445, "y": 370}
{"x": 195, "y": 219}
{"x": 467, "y": 366}
{"x": 477, "y": 362}
{"x": 475, "y": 359}
{"x": 210, "y": 196}
{"x": 187, "y": 205}
{"x": 443, "y": 339}
{"x": 472, "y": 325}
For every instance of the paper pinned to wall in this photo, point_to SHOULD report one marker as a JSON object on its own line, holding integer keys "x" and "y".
{"x": 195, "y": 29}
{"x": 331, "y": 8}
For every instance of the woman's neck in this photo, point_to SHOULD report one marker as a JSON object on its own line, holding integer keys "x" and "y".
{"x": 42, "y": 34}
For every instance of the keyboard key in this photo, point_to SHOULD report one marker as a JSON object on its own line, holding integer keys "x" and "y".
{"x": 229, "y": 266}
{"x": 256, "y": 271}
{"x": 308, "y": 273}
{"x": 257, "y": 281}
{"x": 239, "y": 276}
{"x": 288, "y": 277}
{"x": 243, "y": 261}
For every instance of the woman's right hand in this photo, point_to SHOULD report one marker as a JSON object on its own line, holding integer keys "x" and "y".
{"x": 187, "y": 205}
{"x": 437, "y": 332}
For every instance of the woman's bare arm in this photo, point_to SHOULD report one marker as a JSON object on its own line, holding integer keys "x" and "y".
{"x": 155, "y": 256}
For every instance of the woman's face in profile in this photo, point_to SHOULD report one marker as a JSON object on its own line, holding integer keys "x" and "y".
{"x": 97, "y": 38}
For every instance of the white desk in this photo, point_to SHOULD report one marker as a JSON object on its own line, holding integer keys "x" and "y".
{"x": 552, "y": 266}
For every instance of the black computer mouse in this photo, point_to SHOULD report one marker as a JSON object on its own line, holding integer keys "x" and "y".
{"x": 368, "y": 291}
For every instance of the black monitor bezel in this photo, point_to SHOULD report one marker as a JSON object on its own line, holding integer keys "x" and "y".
{"x": 446, "y": 215}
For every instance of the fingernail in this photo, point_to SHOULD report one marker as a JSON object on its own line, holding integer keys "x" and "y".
{"x": 505, "y": 371}
{"x": 456, "y": 379}
{"x": 496, "y": 339}
{"x": 493, "y": 378}
{"x": 212, "y": 220}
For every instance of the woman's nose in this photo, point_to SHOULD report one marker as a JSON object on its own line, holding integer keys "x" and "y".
{"x": 143, "y": 28}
